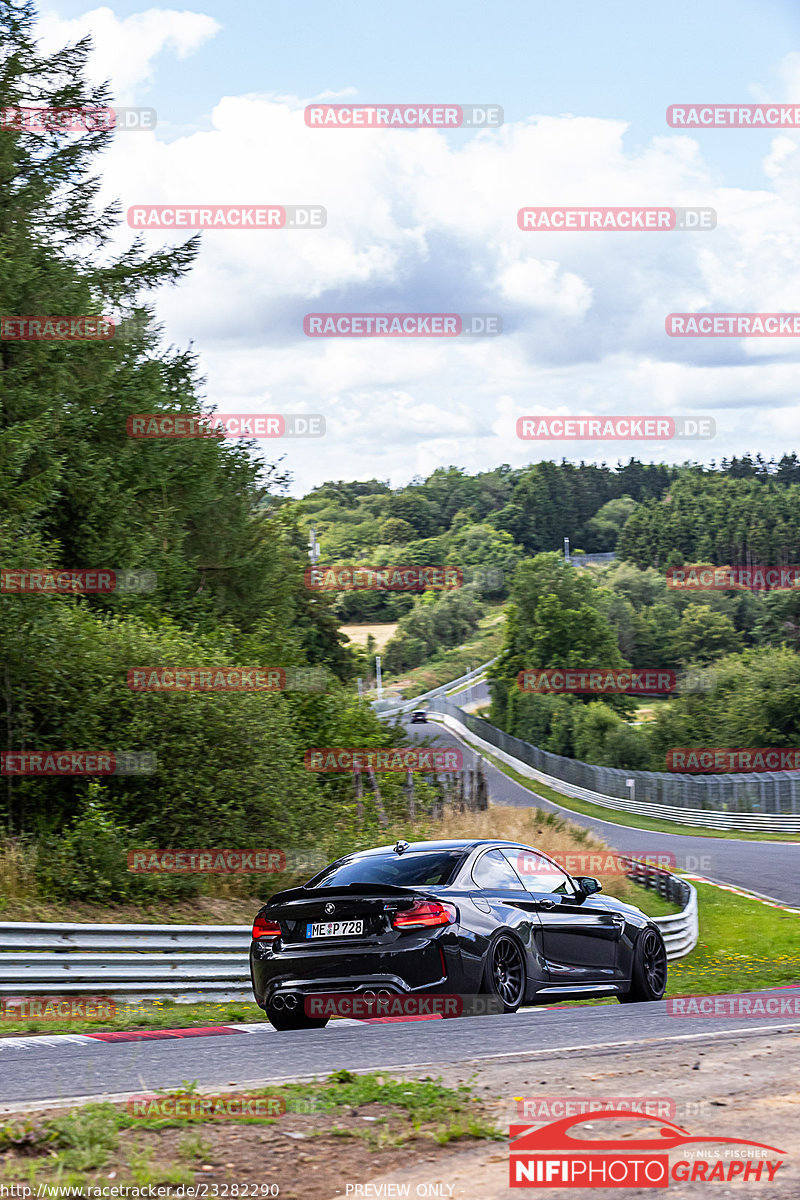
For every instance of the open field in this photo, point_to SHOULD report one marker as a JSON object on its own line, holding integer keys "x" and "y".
{"x": 358, "y": 634}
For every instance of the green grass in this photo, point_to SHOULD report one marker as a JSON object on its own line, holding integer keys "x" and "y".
{"x": 744, "y": 946}
{"x": 650, "y": 902}
{"x": 424, "y": 1101}
{"x": 75, "y": 1147}
{"x": 161, "y": 1014}
{"x": 599, "y": 812}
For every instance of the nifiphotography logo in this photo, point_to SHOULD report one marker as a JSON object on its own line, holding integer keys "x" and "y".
{"x": 556, "y": 1156}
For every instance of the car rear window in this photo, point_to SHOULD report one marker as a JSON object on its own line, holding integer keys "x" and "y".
{"x": 429, "y": 868}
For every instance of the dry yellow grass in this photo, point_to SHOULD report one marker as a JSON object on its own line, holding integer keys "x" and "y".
{"x": 17, "y": 870}
{"x": 235, "y": 900}
{"x": 358, "y": 634}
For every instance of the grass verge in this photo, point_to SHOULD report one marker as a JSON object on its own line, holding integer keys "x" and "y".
{"x": 744, "y": 946}
{"x": 158, "y": 1014}
{"x": 346, "y": 1126}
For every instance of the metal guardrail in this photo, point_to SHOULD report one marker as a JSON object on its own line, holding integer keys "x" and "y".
{"x": 184, "y": 963}
{"x": 192, "y": 963}
{"x": 680, "y": 930}
{"x": 390, "y": 708}
{"x": 583, "y": 560}
{"x": 748, "y": 802}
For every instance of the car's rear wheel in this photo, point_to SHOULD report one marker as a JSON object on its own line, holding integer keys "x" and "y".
{"x": 504, "y": 974}
{"x": 649, "y": 973}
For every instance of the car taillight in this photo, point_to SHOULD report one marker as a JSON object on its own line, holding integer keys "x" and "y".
{"x": 424, "y": 914}
{"x": 262, "y": 928}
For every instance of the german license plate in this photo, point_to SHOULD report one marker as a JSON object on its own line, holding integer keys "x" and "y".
{"x": 334, "y": 929}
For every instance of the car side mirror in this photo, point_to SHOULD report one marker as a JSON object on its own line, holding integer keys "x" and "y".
{"x": 588, "y": 886}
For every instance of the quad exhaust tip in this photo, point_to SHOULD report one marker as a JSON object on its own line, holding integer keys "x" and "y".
{"x": 281, "y": 1002}
{"x": 290, "y": 1000}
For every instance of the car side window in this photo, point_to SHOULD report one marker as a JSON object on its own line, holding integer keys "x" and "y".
{"x": 539, "y": 874}
{"x": 492, "y": 871}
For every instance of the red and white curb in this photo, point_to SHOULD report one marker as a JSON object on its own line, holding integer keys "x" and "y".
{"x": 728, "y": 887}
{"x": 43, "y": 1040}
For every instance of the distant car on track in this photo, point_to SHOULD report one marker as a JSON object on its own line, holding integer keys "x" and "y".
{"x": 419, "y": 717}
{"x": 463, "y": 917}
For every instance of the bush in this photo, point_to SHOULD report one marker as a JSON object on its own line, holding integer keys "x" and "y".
{"x": 89, "y": 861}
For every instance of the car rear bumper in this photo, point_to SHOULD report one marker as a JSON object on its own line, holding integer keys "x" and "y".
{"x": 423, "y": 965}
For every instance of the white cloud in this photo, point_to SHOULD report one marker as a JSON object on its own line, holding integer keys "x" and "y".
{"x": 423, "y": 221}
{"x": 126, "y": 48}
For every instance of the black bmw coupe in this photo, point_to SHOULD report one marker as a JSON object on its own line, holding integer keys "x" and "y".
{"x": 469, "y": 918}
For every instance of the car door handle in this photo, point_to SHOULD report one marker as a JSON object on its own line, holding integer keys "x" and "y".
{"x": 545, "y": 903}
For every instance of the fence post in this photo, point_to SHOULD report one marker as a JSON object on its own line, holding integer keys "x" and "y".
{"x": 412, "y": 808}
{"x": 482, "y": 797}
{"x": 359, "y": 788}
{"x": 376, "y": 791}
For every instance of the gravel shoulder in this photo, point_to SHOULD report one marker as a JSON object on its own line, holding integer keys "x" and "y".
{"x": 735, "y": 1087}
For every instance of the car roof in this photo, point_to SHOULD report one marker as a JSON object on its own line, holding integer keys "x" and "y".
{"x": 448, "y": 844}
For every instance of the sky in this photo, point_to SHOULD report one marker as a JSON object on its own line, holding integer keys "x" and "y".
{"x": 426, "y": 220}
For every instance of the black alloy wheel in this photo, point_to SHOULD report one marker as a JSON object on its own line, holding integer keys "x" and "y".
{"x": 506, "y": 973}
{"x": 649, "y": 975}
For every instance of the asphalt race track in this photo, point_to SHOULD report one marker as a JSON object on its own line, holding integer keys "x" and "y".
{"x": 53, "y": 1068}
{"x": 772, "y": 869}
